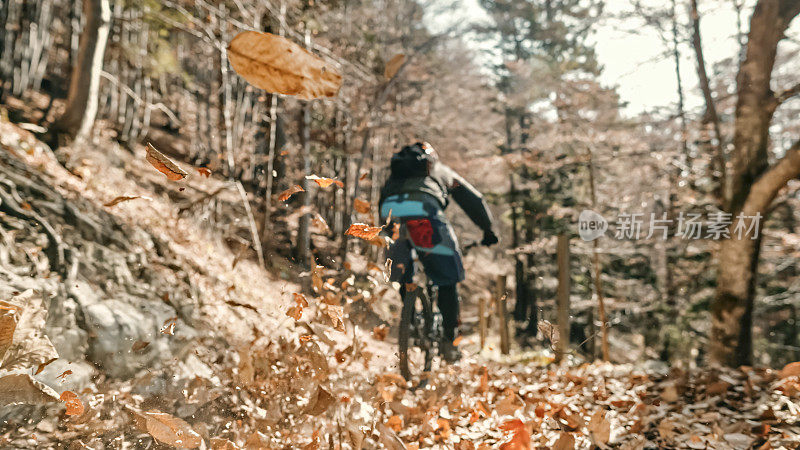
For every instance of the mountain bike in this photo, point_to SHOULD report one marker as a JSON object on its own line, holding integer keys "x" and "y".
{"x": 420, "y": 331}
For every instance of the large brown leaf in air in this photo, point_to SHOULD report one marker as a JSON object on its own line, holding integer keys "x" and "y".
{"x": 324, "y": 182}
{"x": 171, "y": 430}
{"x": 393, "y": 66}
{"x": 164, "y": 164}
{"x": 285, "y": 195}
{"x": 22, "y": 388}
{"x": 363, "y": 231}
{"x": 278, "y": 65}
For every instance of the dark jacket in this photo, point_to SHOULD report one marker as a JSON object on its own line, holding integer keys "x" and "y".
{"x": 443, "y": 183}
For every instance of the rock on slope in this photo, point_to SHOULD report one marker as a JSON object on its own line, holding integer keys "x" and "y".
{"x": 115, "y": 276}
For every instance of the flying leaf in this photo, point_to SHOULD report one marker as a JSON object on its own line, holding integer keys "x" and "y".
{"x": 164, "y": 164}
{"x": 290, "y": 192}
{"x": 73, "y": 403}
{"x": 169, "y": 326}
{"x": 171, "y": 430}
{"x": 22, "y": 388}
{"x": 64, "y": 375}
{"x": 549, "y": 332}
{"x": 204, "y": 171}
{"x": 319, "y": 403}
{"x": 519, "y": 435}
{"x": 41, "y": 366}
{"x": 361, "y": 206}
{"x": 122, "y": 198}
{"x": 393, "y": 66}
{"x": 324, "y": 182}
{"x": 363, "y": 231}
{"x": 278, "y": 65}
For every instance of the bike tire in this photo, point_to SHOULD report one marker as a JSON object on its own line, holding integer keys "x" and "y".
{"x": 416, "y": 303}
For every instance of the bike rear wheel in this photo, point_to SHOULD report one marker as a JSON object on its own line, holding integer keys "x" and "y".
{"x": 416, "y": 330}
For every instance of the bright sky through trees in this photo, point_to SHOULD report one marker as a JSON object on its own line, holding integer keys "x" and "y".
{"x": 635, "y": 58}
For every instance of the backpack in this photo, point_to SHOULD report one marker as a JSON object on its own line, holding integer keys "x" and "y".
{"x": 412, "y": 161}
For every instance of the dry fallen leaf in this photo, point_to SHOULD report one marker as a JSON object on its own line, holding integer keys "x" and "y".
{"x": 204, "y": 171}
{"x": 289, "y": 192}
{"x": 380, "y": 332}
{"x": 363, "y": 231}
{"x": 336, "y": 314}
{"x": 218, "y": 443}
{"x": 599, "y": 428}
{"x": 519, "y": 435}
{"x": 8, "y": 323}
{"x": 790, "y": 370}
{"x": 278, "y": 65}
{"x": 30, "y": 346}
{"x": 361, "y": 206}
{"x": 73, "y": 403}
{"x": 171, "y": 430}
{"x": 393, "y": 66}
{"x": 295, "y": 312}
{"x": 565, "y": 442}
{"x": 324, "y": 182}
{"x": 319, "y": 402}
{"x": 164, "y": 164}
{"x": 22, "y": 388}
{"x": 389, "y": 438}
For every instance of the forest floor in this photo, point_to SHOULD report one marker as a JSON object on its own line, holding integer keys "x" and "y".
{"x": 254, "y": 377}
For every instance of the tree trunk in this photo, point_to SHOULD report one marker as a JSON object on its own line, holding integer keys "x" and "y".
{"x": 303, "y": 231}
{"x": 752, "y": 185}
{"x": 84, "y": 86}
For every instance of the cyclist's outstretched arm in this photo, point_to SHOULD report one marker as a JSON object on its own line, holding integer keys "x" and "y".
{"x": 469, "y": 199}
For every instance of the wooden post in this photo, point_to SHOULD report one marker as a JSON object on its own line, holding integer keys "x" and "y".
{"x": 482, "y": 320}
{"x": 502, "y": 315}
{"x": 562, "y": 297}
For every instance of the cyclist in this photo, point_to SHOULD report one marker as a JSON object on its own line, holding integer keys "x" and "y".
{"x": 415, "y": 195}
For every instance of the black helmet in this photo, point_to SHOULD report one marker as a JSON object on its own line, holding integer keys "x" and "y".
{"x": 413, "y": 160}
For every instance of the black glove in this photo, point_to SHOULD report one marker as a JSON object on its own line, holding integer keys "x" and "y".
{"x": 489, "y": 238}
